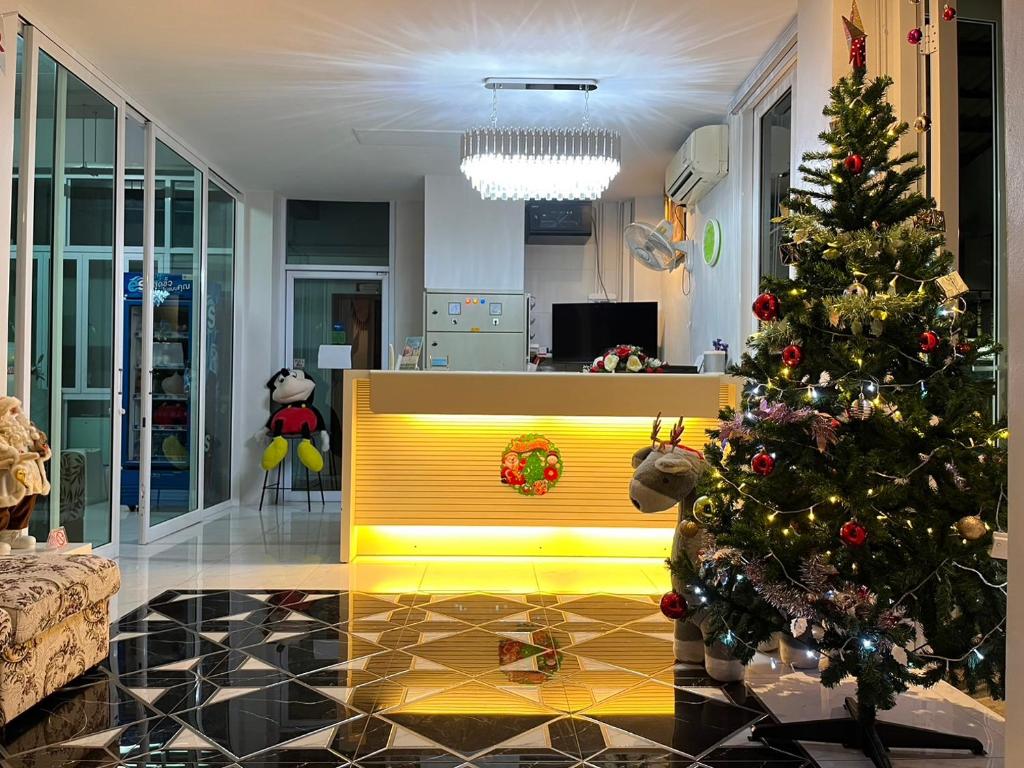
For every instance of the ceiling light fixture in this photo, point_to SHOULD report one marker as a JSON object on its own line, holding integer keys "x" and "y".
{"x": 540, "y": 163}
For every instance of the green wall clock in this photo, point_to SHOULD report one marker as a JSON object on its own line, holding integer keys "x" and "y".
{"x": 712, "y": 242}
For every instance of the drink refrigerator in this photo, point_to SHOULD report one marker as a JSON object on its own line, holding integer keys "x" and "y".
{"x": 173, "y": 339}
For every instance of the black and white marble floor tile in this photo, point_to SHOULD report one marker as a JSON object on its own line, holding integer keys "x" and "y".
{"x": 324, "y": 679}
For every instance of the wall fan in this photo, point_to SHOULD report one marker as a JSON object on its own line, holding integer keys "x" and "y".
{"x": 653, "y": 246}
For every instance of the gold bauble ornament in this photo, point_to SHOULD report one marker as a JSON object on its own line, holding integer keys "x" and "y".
{"x": 702, "y": 506}
{"x": 688, "y": 529}
{"x": 971, "y": 527}
{"x": 856, "y": 288}
{"x": 922, "y": 123}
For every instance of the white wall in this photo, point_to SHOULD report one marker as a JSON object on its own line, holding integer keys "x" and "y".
{"x": 563, "y": 274}
{"x": 470, "y": 243}
{"x": 567, "y": 274}
{"x": 407, "y": 274}
{"x": 818, "y": 26}
{"x": 718, "y": 293}
{"x": 256, "y": 292}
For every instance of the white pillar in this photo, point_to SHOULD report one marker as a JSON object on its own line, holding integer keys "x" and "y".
{"x": 9, "y": 36}
{"x": 1013, "y": 72}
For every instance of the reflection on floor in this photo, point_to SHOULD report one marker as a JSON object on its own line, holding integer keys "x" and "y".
{"x": 244, "y": 643}
{"x": 315, "y": 678}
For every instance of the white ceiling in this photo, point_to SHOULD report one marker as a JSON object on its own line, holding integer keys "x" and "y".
{"x": 272, "y": 92}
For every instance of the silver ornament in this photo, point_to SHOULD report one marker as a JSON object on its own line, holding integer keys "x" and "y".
{"x": 862, "y": 408}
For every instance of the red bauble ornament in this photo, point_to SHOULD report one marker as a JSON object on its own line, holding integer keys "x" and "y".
{"x": 929, "y": 341}
{"x": 854, "y": 164}
{"x": 793, "y": 355}
{"x": 853, "y": 534}
{"x": 915, "y": 36}
{"x": 948, "y": 13}
{"x": 673, "y": 605}
{"x": 964, "y": 348}
{"x": 763, "y": 464}
{"x": 766, "y": 307}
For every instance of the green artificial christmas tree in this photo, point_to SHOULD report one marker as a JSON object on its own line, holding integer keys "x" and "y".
{"x": 851, "y": 499}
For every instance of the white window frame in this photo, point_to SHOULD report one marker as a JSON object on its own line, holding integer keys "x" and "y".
{"x": 770, "y": 79}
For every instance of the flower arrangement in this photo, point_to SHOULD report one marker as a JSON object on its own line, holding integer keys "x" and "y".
{"x": 625, "y": 358}
{"x": 720, "y": 346}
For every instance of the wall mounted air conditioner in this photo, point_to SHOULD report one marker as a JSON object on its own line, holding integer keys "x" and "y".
{"x": 699, "y": 165}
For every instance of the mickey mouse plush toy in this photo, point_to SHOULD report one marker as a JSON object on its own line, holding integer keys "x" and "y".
{"x": 293, "y": 391}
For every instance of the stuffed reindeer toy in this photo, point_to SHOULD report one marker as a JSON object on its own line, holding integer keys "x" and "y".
{"x": 666, "y": 474}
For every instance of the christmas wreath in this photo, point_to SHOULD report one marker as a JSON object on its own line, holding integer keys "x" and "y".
{"x": 625, "y": 358}
{"x": 531, "y": 464}
{"x": 548, "y": 660}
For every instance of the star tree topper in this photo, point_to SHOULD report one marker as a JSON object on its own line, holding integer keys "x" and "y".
{"x": 856, "y": 38}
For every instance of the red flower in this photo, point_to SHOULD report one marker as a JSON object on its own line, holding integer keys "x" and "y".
{"x": 659, "y": 370}
{"x": 599, "y": 364}
{"x": 622, "y": 351}
{"x": 551, "y": 474}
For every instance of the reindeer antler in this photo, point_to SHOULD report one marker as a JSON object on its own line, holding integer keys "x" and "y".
{"x": 656, "y": 429}
{"x": 677, "y": 433}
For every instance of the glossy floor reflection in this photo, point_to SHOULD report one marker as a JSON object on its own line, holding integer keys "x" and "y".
{"x": 306, "y": 677}
{"x": 243, "y": 643}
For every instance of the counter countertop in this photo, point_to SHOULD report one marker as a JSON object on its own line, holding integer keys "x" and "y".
{"x": 546, "y": 394}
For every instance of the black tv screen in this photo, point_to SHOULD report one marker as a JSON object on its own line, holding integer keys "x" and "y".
{"x": 581, "y": 332}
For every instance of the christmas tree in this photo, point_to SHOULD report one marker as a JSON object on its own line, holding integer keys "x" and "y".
{"x": 852, "y": 496}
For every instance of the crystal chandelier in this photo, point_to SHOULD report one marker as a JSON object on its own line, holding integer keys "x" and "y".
{"x": 540, "y": 163}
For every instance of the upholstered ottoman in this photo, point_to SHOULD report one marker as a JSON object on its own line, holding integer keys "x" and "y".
{"x": 54, "y": 623}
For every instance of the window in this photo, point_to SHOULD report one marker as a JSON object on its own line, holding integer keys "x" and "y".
{"x": 978, "y": 243}
{"x": 773, "y": 179}
{"x": 328, "y": 233}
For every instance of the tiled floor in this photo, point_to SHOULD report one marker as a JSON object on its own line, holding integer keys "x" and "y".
{"x": 245, "y": 645}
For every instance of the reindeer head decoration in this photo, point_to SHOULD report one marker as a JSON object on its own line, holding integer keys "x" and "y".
{"x": 665, "y": 473}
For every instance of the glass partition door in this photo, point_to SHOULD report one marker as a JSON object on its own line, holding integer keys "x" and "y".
{"x": 330, "y": 308}
{"x": 73, "y": 334}
{"x": 171, "y": 315}
{"x": 218, "y": 345}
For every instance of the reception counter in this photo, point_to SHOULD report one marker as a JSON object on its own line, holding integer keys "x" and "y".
{"x": 423, "y": 459}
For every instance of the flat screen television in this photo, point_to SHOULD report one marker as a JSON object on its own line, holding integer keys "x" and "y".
{"x": 581, "y": 332}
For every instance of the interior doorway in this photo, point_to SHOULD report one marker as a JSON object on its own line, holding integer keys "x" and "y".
{"x": 331, "y": 309}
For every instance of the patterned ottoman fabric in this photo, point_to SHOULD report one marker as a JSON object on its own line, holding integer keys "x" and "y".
{"x": 39, "y": 592}
{"x": 31, "y": 671}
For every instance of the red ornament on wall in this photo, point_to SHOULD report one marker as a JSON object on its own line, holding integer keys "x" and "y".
{"x": 929, "y": 341}
{"x": 948, "y": 13}
{"x": 763, "y": 464}
{"x": 793, "y": 355}
{"x": 853, "y": 534}
{"x": 673, "y": 605}
{"x": 915, "y": 36}
{"x": 766, "y": 307}
{"x": 854, "y": 164}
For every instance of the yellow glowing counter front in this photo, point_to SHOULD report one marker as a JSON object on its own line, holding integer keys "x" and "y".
{"x": 509, "y": 464}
